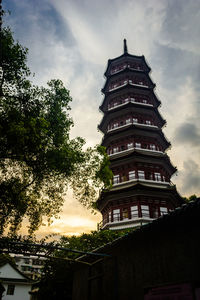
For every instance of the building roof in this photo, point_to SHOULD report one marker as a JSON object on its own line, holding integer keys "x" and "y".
{"x": 5, "y": 260}
{"x": 178, "y": 217}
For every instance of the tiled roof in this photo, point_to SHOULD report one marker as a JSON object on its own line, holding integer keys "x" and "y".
{"x": 6, "y": 260}
{"x": 186, "y": 215}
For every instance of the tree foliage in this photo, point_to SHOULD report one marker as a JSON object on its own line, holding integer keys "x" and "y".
{"x": 57, "y": 279}
{"x": 87, "y": 242}
{"x": 38, "y": 160}
{"x": 190, "y": 198}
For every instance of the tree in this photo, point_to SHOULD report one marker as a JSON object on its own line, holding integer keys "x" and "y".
{"x": 38, "y": 160}
{"x": 87, "y": 242}
{"x": 190, "y": 198}
{"x": 57, "y": 278}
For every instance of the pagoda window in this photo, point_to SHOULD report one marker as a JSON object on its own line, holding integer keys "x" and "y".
{"x": 148, "y": 122}
{"x": 115, "y": 104}
{"x": 115, "y": 149}
{"x": 163, "y": 211}
{"x": 135, "y": 120}
{"x": 105, "y": 219}
{"x": 116, "y": 179}
{"x": 124, "y": 177}
{"x": 122, "y": 148}
{"x": 132, "y": 99}
{"x": 109, "y": 217}
{"x": 157, "y": 177}
{"x": 137, "y": 145}
{"x": 145, "y": 210}
{"x": 134, "y": 211}
{"x": 116, "y": 215}
{"x": 125, "y": 213}
{"x": 126, "y": 100}
{"x": 128, "y": 121}
{"x": 149, "y": 175}
{"x": 129, "y": 145}
{"x": 155, "y": 212}
{"x": 152, "y": 147}
{"x": 131, "y": 175}
{"x": 115, "y": 125}
{"x": 144, "y": 101}
{"x": 141, "y": 174}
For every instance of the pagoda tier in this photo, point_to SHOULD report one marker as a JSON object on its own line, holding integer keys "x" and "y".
{"x": 132, "y": 128}
{"x": 154, "y": 136}
{"x": 126, "y": 94}
{"x": 131, "y": 114}
{"x": 136, "y": 204}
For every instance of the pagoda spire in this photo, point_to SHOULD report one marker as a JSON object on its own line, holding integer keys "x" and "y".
{"x": 125, "y": 47}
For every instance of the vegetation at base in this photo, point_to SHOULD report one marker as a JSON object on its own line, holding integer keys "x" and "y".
{"x": 6, "y": 258}
{"x": 190, "y": 198}
{"x": 38, "y": 160}
{"x": 88, "y": 242}
{"x": 57, "y": 280}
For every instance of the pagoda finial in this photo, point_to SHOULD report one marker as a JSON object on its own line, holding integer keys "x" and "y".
{"x": 125, "y": 47}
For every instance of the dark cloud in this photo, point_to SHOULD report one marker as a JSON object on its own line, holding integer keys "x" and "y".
{"x": 181, "y": 25}
{"x": 187, "y": 133}
{"x": 190, "y": 176}
{"x": 177, "y": 50}
{"x": 30, "y": 17}
{"x": 176, "y": 65}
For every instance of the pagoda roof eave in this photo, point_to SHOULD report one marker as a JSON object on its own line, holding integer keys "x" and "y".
{"x": 126, "y": 55}
{"x": 154, "y": 130}
{"x": 129, "y": 70}
{"x": 138, "y": 187}
{"x": 103, "y": 90}
{"x": 103, "y": 109}
{"x": 128, "y": 105}
{"x": 138, "y": 156}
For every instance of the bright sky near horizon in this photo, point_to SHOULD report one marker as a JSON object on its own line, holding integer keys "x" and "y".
{"x": 73, "y": 39}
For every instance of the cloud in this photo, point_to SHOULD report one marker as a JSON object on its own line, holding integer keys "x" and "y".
{"x": 72, "y": 40}
{"x": 190, "y": 176}
{"x": 74, "y": 219}
{"x": 100, "y": 26}
{"x": 181, "y": 25}
{"x": 188, "y": 133}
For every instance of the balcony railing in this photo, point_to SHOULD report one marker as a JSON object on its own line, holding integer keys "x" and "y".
{"x": 135, "y": 148}
{"x": 126, "y": 83}
{"x": 142, "y": 180}
{"x": 120, "y": 220}
{"x": 132, "y": 122}
{"x": 119, "y": 69}
{"x": 130, "y": 101}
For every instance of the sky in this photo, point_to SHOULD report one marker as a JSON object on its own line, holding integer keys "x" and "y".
{"x": 73, "y": 39}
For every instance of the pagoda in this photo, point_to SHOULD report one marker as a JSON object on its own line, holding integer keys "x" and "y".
{"x": 132, "y": 127}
